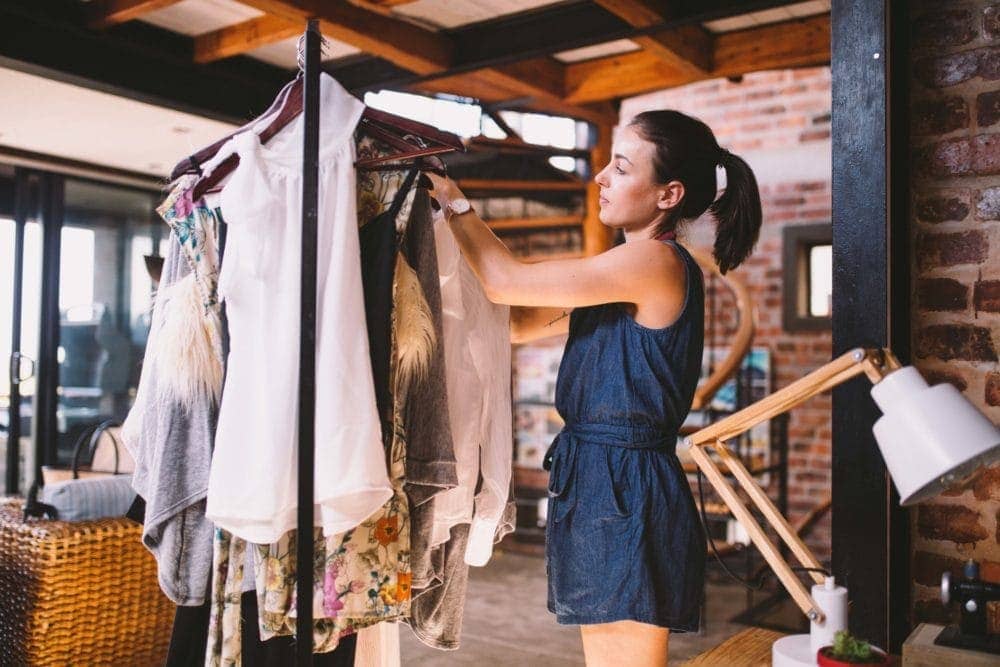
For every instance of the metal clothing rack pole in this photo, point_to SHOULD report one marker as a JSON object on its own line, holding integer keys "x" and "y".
{"x": 307, "y": 349}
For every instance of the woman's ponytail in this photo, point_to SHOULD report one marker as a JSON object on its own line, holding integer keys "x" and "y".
{"x": 737, "y": 212}
{"x": 687, "y": 151}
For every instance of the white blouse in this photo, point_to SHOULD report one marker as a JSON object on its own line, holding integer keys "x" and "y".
{"x": 477, "y": 367}
{"x": 252, "y": 485}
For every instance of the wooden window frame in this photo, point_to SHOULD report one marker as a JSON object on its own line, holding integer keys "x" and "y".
{"x": 796, "y": 241}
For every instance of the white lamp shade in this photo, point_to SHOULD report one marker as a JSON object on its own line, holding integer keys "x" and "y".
{"x": 931, "y": 437}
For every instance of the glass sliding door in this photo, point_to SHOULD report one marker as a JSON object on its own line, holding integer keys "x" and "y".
{"x": 78, "y": 263}
{"x": 105, "y": 294}
{"x": 20, "y": 278}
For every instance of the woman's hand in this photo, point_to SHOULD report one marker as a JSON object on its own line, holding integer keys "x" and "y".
{"x": 445, "y": 191}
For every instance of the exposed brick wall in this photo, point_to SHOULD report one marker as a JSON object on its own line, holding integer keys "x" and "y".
{"x": 780, "y": 122}
{"x": 956, "y": 269}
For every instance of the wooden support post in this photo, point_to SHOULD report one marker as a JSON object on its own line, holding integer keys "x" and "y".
{"x": 596, "y": 236}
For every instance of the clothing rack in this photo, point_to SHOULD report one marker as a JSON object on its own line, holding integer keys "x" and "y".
{"x": 307, "y": 348}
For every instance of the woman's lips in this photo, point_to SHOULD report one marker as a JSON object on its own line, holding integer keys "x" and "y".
{"x": 603, "y": 201}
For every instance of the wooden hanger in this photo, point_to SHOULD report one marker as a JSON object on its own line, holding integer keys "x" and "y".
{"x": 410, "y": 145}
{"x": 288, "y": 108}
{"x": 192, "y": 163}
{"x": 396, "y": 131}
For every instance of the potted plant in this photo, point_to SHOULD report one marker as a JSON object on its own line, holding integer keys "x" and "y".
{"x": 848, "y": 650}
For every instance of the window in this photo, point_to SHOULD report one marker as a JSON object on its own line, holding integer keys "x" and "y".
{"x": 808, "y": 277}
{"x": 468, "y": 120}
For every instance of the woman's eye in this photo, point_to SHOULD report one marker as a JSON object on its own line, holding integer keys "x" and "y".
{"x": 619, "y": 170}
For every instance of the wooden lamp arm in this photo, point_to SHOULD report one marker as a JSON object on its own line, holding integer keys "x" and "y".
{"x": 875, "y": 364}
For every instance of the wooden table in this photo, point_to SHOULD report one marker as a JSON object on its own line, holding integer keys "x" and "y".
{"x": 748, "y": 648}
{"x": 919, "y": 650}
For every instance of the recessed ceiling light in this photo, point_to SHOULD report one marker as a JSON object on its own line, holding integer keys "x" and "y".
{"x": 181, "y": 129}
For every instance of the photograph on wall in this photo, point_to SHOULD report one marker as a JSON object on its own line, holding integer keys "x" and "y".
{"x": 535, "y": 427}
{"x": 536, "y": 422}
{"x": 536, "y": 369}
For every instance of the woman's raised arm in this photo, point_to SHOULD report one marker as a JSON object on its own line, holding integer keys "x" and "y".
{"x": 637, "y": 273}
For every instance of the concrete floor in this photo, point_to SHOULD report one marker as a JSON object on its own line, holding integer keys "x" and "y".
{"x": 506, "y": 622}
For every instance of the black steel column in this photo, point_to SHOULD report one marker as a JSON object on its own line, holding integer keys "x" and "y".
{"x": 307, "y": 348}
{"x": 899, "y": 584}
{"x": 21, "y": 193}
{"x": 46, "y": 399}
{"x": 869, "y": 535}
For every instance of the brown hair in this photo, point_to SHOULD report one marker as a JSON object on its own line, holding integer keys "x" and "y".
{"x": 687, "y": 151}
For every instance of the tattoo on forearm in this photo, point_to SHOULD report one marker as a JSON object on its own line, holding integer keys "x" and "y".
{"x": 565, "y": 313}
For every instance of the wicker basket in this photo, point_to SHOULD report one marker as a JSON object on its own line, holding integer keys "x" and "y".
{"x": 78, "y": 593}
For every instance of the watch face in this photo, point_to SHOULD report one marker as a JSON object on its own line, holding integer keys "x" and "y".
{"x": 459, "y": 206}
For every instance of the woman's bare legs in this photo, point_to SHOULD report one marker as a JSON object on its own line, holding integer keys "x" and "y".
{"x": 625, "y": 643}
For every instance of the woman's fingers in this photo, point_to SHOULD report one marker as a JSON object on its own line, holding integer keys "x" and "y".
{"x": 438, "y": 182}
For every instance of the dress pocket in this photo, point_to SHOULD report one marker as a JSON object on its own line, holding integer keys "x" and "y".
{"x": 620, "y": 482}
{"x": 561, "y": 457}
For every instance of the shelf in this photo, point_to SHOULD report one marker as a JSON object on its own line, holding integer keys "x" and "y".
{"x": 714, "y": 509}
{"x": 530, "y": 478}
{"x": 469, "y": 185}
{"x": 727, "y": 548}
{"x": 507, "y": 224}
{"x": 548, "y": 257}
{"x": 755, "y": 466}
{"x": 511, "y": 545}
{"x": 519, "y": 147}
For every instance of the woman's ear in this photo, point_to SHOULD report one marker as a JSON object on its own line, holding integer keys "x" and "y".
{"x": 670, "y": 195}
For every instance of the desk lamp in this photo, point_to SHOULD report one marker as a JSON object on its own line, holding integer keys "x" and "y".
{"x": 931, "y": 439}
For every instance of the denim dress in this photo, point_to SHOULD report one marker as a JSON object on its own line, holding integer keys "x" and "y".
{"x": 623, "y": 537}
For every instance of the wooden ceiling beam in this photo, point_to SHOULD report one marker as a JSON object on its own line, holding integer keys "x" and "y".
{"x": 402, "y": 43}
{"x": 242, "y": 37}
{"x": 106, "y": 13}
{"x": 426, "y": 52}
{"x": 381, "y": 6}
{"x": 638, "y": 13}
{"x": 687, "y": 48}
{"x": 796, "y": 43}
{"x": 501, "y": 185}
{"x": 540, "y": 80}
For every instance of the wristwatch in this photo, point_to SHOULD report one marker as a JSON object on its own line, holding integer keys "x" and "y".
{"x": 459, "y": 206}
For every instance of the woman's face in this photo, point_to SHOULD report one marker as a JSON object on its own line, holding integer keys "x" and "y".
{"x": 630, "y": 196}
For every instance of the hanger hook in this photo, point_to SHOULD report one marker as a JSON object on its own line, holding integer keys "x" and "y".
{"x": 300, "y": 56}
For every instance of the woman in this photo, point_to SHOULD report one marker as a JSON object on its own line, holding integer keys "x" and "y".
{"x": 625, "y": 549}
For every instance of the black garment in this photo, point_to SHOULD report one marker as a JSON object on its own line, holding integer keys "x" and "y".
{"x": 189, "y": 636}
{"x": 189, "y": 639}
{"x": 378, "y": 262}
{"x": 280, "y": 651}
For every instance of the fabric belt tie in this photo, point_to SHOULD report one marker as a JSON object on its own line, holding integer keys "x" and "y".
{"x": 612, "y": 435}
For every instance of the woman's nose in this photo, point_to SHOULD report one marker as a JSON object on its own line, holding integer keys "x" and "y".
{"x": 599, "y": 178}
